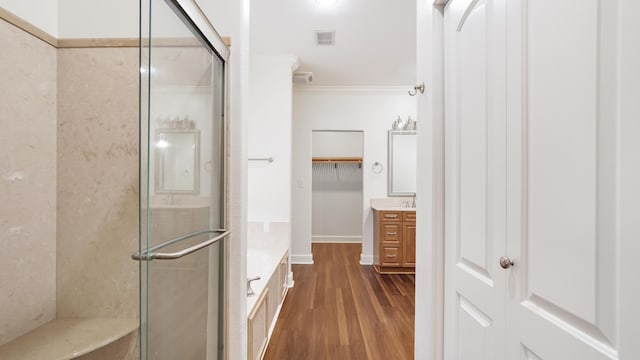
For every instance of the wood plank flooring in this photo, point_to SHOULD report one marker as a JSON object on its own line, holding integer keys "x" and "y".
{"x": 339, "y": 309}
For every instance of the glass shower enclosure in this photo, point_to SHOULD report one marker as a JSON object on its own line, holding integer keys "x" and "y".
{"x": 182, "y": 183}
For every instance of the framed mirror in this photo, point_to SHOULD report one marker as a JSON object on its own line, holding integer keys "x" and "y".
{"x": 402, "y": 151}
{"x": 177, "y": 154}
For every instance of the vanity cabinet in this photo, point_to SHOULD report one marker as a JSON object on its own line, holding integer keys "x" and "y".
{"x": 394, "y": 241}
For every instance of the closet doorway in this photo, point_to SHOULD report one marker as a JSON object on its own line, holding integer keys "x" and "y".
{"x": 337, "y": 196}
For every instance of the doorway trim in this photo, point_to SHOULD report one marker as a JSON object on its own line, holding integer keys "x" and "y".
{"x": 429, "y": 296}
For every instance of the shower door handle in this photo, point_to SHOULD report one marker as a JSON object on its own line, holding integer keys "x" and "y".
{"x": 151, "y": 254}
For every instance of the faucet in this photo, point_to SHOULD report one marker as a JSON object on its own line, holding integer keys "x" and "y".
{"x": 413, "y": 200}
{"x": 250, "y": 291}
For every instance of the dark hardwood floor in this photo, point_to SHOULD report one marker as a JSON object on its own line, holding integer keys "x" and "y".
{"x": 339, "y": 309}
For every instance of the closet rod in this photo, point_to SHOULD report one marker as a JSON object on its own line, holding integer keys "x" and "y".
{"x": 340, "y": 160}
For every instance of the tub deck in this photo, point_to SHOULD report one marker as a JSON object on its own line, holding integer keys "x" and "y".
{"x": 264, "y": 252}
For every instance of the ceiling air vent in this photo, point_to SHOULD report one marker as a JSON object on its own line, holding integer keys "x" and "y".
{"x": 325, "y": 37}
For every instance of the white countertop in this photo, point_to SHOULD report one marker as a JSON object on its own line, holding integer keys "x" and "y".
{"x": 392, "y": 204}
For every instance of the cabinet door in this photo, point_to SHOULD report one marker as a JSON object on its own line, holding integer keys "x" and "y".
{"x": 284, "y": 277}
{"x": 409, "y": 244}
{"x": 258, "y": 327}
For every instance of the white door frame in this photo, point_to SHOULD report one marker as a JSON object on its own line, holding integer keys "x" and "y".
{"x": 429, "y": 316}
{"x": 629, "y": 170}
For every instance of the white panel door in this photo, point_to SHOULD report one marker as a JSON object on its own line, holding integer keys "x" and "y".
{"x": 475, "y": 179}
{"x": 537, "y": 99}
{"x": 562, "y": 196}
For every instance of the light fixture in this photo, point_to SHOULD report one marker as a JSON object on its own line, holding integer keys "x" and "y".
{"x": 327, "y": 2}
{"x": 162, "y": 144}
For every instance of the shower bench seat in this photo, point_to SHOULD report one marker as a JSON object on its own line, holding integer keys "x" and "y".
{"x": 63, "y": 339}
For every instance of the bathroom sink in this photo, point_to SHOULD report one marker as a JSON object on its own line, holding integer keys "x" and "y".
{"x": 393, "y": 204}
{"x": 398, "y": 208}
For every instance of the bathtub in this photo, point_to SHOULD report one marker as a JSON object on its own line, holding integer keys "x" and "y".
{"x": 267, "y": 243}
{"x": 268, "y": 258}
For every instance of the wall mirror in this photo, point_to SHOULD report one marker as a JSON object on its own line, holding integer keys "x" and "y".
{"x": 177, "y": 161}
{"x": 402, "y": 151}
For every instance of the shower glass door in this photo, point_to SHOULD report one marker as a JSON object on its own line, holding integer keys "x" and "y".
{"x": 182, "y": 195}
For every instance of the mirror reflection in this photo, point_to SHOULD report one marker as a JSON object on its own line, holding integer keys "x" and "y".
{"x": 177, "y": 159}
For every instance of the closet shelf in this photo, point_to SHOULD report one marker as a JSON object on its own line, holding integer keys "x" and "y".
{"x": 336, "y": 160}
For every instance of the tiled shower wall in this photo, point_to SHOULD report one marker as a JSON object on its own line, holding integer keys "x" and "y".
{"x": 27, "y": 182}
{"x": 68, "y": 182}
{"x": 97, "y": 182}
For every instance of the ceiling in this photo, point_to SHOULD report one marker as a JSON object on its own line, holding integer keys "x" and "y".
{"x": 375, "y": 40}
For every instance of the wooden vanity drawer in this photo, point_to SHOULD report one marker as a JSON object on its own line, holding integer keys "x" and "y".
{"x": 409, "y": 216}
{"x": 391, "y": 234}
{"x": 391, "y": 215}
{"x": 390, "y": 257}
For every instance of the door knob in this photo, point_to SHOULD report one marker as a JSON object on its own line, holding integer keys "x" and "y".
{"x": 505, "y": 262}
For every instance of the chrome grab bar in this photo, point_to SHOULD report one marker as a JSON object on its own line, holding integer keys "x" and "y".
{"x": 150, "y": 254}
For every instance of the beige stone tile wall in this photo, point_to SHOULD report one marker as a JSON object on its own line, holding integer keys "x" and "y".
{"x": 97, "y": 182}
{"x": 27, "y": 182}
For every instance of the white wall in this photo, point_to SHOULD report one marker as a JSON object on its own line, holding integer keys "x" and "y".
{"x": 97, "y": 19}
{"x": 336, "y": 189}
{"x": 42, "y": 14}
{"x": 336, "y": 203}
{"x": 371, "y": 110}
{"x": 337, "y": 144}
{"x": 269, "y": 127}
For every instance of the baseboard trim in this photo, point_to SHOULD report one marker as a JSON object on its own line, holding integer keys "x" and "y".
{"x": 366, "y": 259}
{"x": 290, "y": 282}
{"x": 302, "y": 259}
{"x": 336, "y": 239}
